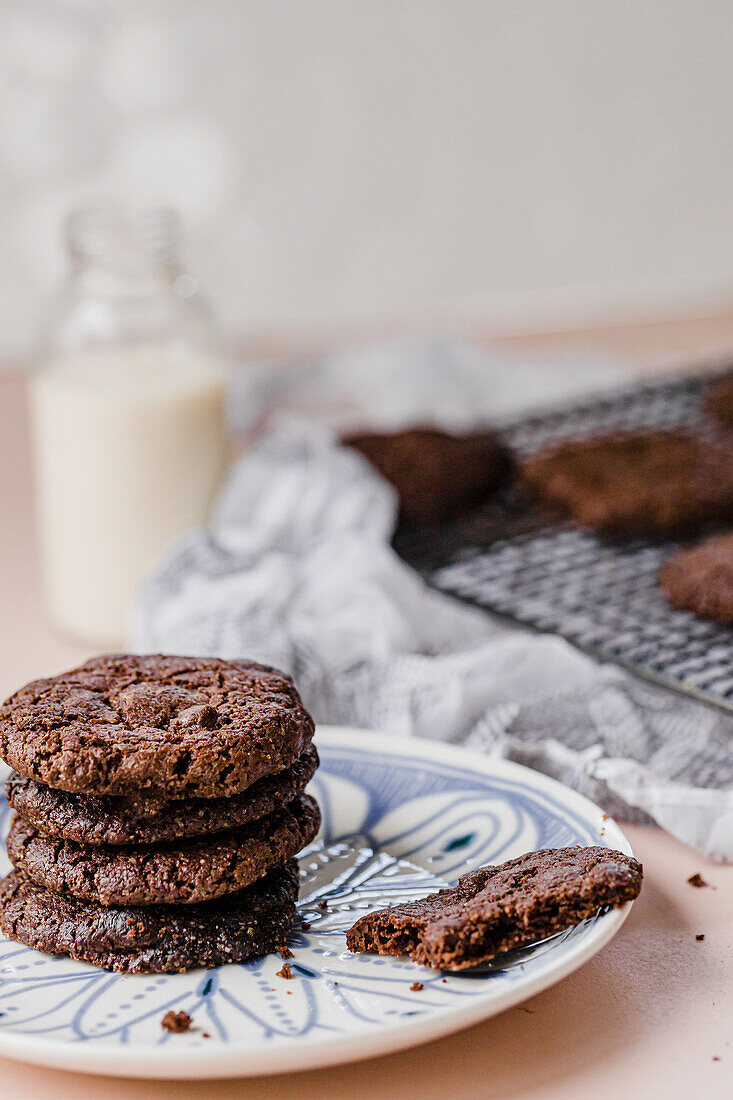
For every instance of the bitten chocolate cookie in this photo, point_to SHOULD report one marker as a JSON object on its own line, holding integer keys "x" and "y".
{"x": 719, "y": 401}
{"x": 184, "y": 727}
{"x": 160, "y": 940}
{"x": 160, "y": 874}
{"x": 646, "y": 482}
{"x": 496, "y": 909}
{"x": 88, "y": 819}
{"x": 436, "y": 475}
{"x": 700, "y": 579}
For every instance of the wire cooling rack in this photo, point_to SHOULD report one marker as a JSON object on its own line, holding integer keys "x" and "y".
{"x": 515, "y": 559}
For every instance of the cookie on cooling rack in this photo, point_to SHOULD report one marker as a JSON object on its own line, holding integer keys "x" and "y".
{"x": 436, "y": 475}
{"x": 650, "y": 482}
{"x": 700, "y": 579}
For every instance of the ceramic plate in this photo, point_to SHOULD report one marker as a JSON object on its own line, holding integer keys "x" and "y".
{"x": 400, "y": 818}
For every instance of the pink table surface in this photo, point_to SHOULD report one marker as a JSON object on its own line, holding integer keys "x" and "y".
{"x": 648, "y": 1017}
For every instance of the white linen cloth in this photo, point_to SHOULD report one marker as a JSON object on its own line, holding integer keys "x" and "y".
{"x": 296, "y": 570}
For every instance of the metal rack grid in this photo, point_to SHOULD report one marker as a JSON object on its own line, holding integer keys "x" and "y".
{"x": 512, "y": 558}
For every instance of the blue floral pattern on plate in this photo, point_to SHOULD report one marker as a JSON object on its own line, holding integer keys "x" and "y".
{"x": 400, "y": 819}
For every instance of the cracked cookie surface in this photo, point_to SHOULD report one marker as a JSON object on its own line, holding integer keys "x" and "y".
{"x": 497, "y": 909}
{"x": 183, "y": 727}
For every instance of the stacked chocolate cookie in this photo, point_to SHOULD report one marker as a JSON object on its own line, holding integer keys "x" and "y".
{"x": 159, "y": 807}
{"x": 649, "y": 482}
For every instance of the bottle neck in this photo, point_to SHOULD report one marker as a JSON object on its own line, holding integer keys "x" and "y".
{"x": 122, "y": 279}
{"x": 121, "y": 250}
{"x": 125, "y": 288}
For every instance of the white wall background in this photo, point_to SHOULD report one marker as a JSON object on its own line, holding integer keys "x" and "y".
{"x": 355, "y": 162}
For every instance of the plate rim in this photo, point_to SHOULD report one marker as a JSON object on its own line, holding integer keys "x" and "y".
{"x": 166, "y": 1063}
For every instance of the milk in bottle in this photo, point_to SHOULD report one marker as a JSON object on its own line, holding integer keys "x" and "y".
{"x": 128, "y": 420}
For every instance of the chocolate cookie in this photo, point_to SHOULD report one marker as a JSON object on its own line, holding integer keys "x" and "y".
{"x": 160, "y": 940}
{"x": 436, "y": 475}
{"x": 88, "y": 819}
{"x": 160, "y": 874}
{"x": 700, "y": 579}
{"x": 496, "y": 909}
{"x": 184, "y": 727}
{"x": 719, "y": 401}
{"x": 646, "y": 482}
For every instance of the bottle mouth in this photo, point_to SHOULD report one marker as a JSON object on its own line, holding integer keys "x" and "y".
{"x": 121, "y": 235}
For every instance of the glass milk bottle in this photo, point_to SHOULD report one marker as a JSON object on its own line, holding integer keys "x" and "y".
{"x": 128, "y": 418}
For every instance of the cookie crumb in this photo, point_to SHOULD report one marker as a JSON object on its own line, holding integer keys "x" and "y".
{"x": 416, "y": 987}
{"x": 285, "y": 971}
{"x": 305, "y": 925}
{"x": 176, "y": 1022}
{"x": 697, "y": 880}
{"x": 700, "y": 937}
{"x": 286, "y": 953}
{"x": 323, "y": 906}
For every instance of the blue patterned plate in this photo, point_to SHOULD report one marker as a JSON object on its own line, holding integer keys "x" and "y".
{"x": 400, "y": 818}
